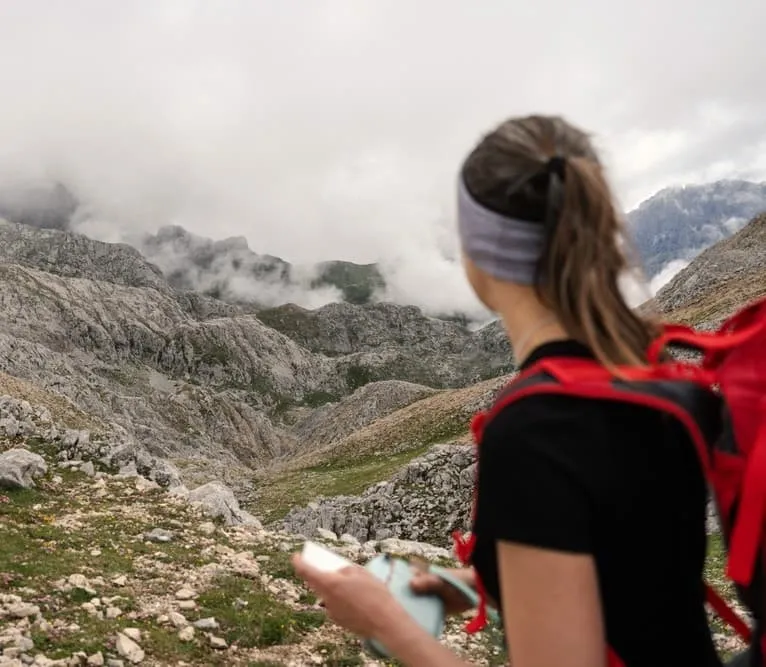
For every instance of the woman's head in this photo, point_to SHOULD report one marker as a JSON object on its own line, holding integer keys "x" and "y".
{"x": 535, "y": 211}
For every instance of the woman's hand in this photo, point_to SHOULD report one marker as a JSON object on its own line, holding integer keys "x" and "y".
{"x": 455, "y": 602}
{"x": 352, "y": 597}
{"x": 355, "y": 599}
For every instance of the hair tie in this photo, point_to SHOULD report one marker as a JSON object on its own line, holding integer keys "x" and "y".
{"x": 557, "y": 164}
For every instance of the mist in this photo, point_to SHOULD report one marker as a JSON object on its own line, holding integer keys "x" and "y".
{"x": 333, "y": 129}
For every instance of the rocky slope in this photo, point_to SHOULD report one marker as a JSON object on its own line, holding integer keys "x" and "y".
{"x": 720, "y": 280}
{"x": 205, "y": 383}
{"x": 680, "y": 222}
{"x": 106, "y": 568}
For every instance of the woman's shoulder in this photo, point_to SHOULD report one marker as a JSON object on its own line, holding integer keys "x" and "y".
{"x": 538, "y": 410}
{"x": 546, "y": 424}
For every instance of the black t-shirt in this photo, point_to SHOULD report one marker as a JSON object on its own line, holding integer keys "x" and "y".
{"x": 618, "y": 481}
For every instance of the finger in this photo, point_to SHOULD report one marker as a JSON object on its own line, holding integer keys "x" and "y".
{"x": 424, "y": 582}
{"x": 315, "y": 578}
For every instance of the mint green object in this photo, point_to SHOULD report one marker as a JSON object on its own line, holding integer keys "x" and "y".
{"x": 426, "y": 610}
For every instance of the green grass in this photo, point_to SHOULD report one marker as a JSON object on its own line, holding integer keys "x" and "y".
{"x": 277, "y": 496}
{"x": 36, "y": 554}
{"x": 250, "y": 617}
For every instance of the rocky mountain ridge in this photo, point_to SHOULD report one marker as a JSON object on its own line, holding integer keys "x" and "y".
{"x": 678, "y": 223}
{"x": 193, "y": 378}
{"x": 720, "y": 280}
{"x": 671, "y": 227}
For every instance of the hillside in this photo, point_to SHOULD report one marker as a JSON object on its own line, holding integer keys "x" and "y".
{"x": 104, "y": 567}
{"x": 107, "y": 568}
{"x": 207, "y": 384}
{"x": 680, "y": 222}
{"x": 720, "y": 280}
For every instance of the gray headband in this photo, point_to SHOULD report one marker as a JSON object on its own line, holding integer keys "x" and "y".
{"x": 505, "y": 248}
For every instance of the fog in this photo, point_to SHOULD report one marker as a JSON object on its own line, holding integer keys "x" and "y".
{"x": 332, "y": 129}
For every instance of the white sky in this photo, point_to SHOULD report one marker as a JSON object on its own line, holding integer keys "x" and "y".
{"x": 333, "y": 128}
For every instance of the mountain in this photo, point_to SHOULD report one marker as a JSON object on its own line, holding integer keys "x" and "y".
{"x": 719, "y": 280}
{"x": 47, "y": 205}
{"x": 678, "y": 223}
{"x": 205, "y": 383}
{"x": 669, "y": 229}
{"x": 229, "y": 270}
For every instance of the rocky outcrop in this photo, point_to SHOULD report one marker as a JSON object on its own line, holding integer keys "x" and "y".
{"x": 19, "y": 468}
{"x": 218, "y": 501}
{"x": 75, "y": 256}
{"x": 383, "y": 341}
{"x": 720, "y": 280}
{"x": 426, "y": 501}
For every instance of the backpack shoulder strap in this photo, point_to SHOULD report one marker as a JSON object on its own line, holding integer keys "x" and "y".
{"x": 687, "y": 399}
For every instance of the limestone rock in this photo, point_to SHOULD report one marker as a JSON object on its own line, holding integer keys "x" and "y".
{"x": 19, "y": 468}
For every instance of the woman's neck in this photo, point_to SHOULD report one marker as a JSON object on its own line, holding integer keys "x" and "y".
{"x": 527, "y": 331}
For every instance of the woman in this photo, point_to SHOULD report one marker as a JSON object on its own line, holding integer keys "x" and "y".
{"x": 583, "y": 540}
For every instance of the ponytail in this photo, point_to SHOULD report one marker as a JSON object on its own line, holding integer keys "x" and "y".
{"x": 580, "y": 268}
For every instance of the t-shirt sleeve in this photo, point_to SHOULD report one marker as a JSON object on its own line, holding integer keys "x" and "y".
{"x": 533, "y": 485}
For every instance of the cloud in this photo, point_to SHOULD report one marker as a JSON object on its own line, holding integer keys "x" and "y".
{"x": 668, "y": 272}
{"x": 332, "y": 129}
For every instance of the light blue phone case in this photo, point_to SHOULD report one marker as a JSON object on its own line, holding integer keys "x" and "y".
{"x": 426, "y": 610}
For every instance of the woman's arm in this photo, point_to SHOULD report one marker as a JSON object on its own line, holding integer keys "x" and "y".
{"x": 551, "y": 607}
{"x": 360, "y": 602}
{"x": 414, "y": 647}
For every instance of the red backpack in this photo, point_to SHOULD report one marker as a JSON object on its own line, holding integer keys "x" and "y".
{"x": 722, "y": 403}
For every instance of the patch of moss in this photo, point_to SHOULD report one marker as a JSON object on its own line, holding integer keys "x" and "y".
{"x": 214, "y": 353}
{"x": 358, "y": 376}
{"x": 315, "y": 399}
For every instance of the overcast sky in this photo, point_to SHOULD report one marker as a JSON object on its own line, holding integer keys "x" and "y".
{"x": 333, "y": 128}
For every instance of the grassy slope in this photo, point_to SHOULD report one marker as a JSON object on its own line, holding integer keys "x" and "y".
{"x": 243, "y": 579}
{"x": 371, "y": 454}
{"x": 72, "y": 524}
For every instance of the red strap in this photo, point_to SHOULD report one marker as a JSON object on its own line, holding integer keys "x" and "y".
{"x": 713, "y": 342}
{"x": 612, "y": 659}
{"x": 726, "y": 613}
{"x": 748, "y": 528}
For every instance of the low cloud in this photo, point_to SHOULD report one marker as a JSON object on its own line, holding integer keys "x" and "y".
{"x": 668, "y": 272}
{"x": 332, "y": 129}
